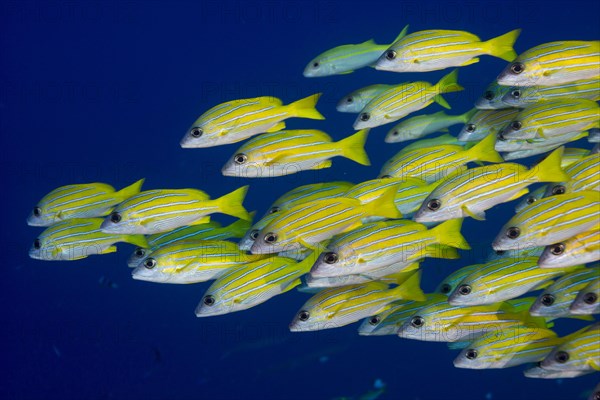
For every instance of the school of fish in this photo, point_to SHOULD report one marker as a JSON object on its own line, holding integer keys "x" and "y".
{"x": 357, "y": 248}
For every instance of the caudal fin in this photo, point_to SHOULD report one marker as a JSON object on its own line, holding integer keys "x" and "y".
{"x": 136, "y": 240}
{"x": 353, "y": 147}
{"x": 484, "y": 150}
{"x": 239, "y": 228}
{"x": 466, "y": 117}
{"x": 305, "y": 108}
{"x": 549, "y": 170}
{"x": 385, "y": 205}
{"x": 410, "y": 289}
{"x": 449, "y": 83}
{"x": 130, "y": 190}
{"x": 448, "y": 234}
{"x": 231, "y": 204}
{"x": 401, "y": 35}
{"x": 502, "y": 46}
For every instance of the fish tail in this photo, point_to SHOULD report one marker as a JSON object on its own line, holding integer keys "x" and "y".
{"x": 448, "y": 234}
{"x": 410, "y": 289}
{"x": 384, "y": 205}
{"x": 130, "y": 190}
{"x": 550, "y": 170}
{"x": 485, "y": 151}
{"x": 449, "y": 83}
{"x": 231, "y": 204}
{"x": 441, "y": 251}
{"x": 136, "y": 240}
{"x": 502, "y": 46}
{"x": 464, "y": 118}
{"x": 239, "y": 228}
{"x": 305, "y": 108}
{"x": 353, "y": 147}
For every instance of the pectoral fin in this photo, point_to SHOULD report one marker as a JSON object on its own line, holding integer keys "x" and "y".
{"x": 109, "y": 249}
{"x": 478, "y": 216}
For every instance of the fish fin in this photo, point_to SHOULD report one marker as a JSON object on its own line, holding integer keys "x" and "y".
{"x": 540, "y": 133}
{"x": 287, "y": 286}
{"x": 137, "y": 240}
{"x": 595, "y": 366}
{"x": 484, "y": 150}
{"x": 370, "y": 41}
{"x": 441, "y": 101}
{"x": 353, "y": 147}
{"x": 580, "y": 317}
{"x": 441, "y": 251}
{"x": 549, "y": 170}
{"x": 239, "y": 228}
{"x": 130, "y": 190}
{"x": 544, "y": 285}
{"x": 448, "y": 234}
{"x": 449, "y": 83}
{"x": 464, "y": 118}
{"x": 109, "y": 249}
{"x": 322, "y": 165}
{"x": 401, "y": 35}
{"x": 277, "y": 127}
{"x": 520, "y": 193}
{"x": 343, "y": 73}
{"x": 231, "y": 204}
{"x": 204, "y": 220}
{"x": 478, "y": 216}
{"x": 410, "y": 289}
{"x": 502, "y": 46}
{"x": 458, "y": 345}
{"x": 309, "y": 290}
{"x": 305, "y": 108}
{"x": 385, "y": 205}
{"x": 469, "y": 62}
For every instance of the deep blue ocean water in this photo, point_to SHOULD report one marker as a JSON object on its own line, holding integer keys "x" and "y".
{"x": 103, "y": 91}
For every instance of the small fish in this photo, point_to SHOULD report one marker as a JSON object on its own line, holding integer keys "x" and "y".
{"x": 476, "y": 190}
{"x": 516, "y": 155}
{"x": 347, "y": 58}
{"x": 78, "y": 238}
{"x": 492, "y": 98}
{"x": 79, "y": 201}
{"x": 380, "y": 244}
{"x": 357, "y": 100}
{"x": 156, "y": 211}
{"x": 510, "y": 348}
{"x": 252, "y": 284}
{"x": 584, "y": 175}
{"x": 288, "y": 152}
{"x": 426, "y": 124}
{"x": 299, "y": 195}
{"x": 439, "y": 162}
{"x": 236, "y": 120}
{"x": 433, "y": 50}
{"x": 553, "y": 118}
{"x": 404, "y": 99}
{"x": 336, "y": 307}
{"x": 586, "y": 302}
{"x": 388, "y": 321}
{"x": 581, "y": 352}
{"x": 531, "y": 198}
{"x": 555, "y": 300}
{"x": 521, "y": 97}
{"x": 582, "y": 248}
{"x": 191, "y": 261}
{"x": 305, "y": 225}
{"x": 551, "y": 220}
{"x": 485, "y": 122}
{"x": 553, "y": 63}
{"x": 388, "y": 274}
{"x": 536, "y": 145}
{"x": 539, "y": 372}
{"x": 450, "y": 283}
{"x": 504, "y": 279}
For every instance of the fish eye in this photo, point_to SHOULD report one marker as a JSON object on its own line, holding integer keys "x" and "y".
{"x": 516, "y": 125}
{"x": 270, "y": 237}
{"x": 516, "y": 93}
{"x": 390, "y": 54}
{"x": 196, "y": 132}
{"x": 489, "y": 95}
{"x": 547, "y": 300}
{"x": 274, "y": 209}
{"x": 303, "y": 315}
{"x": 513, "y": 232}
{"x": 254, "y": 234}
{"x": 316, "y": 64}
{"x": 330, "y": 258}
{"x": 417, "y": 321}
{"x": 590, "y": 298}
{"x": 500, "y": 252}
{"x": 139, "y": 252}
{"x": 115, "y": 217}
{"x": 150, "y": 263}
{"x": 208, "y": 300}
{"x": 240, "y": 158}
{"x": 445, "y": 288}
{"x": 561, "y": 357}
{"x": 531, "y": 200}
{"x": 434, "y": 204}
{"x": 464, "y": 289}
{"x": 374, "y": 320}
{"x": 517, "y": 68}
{"x": 349, "y": 100}
{"x": 37, "y": 244}
{"x": 557, "y": 249}
{"x": 395, "y": 133}
{"x": 37, "y": 211}
{"x": 559, "y": 189}
{"x": 471, "y": 354}
{"x": 500, "y": 136}
{"x": 364, "y": 116}
{"x": 470, "y": 128}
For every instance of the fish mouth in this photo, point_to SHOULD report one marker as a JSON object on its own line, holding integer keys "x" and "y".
{"x": 35, "y": 221}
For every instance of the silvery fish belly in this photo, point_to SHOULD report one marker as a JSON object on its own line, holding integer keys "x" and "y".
{"x": 522, "y": 97}
{"x": 438, "y": 49}
{"x": 357, "y": 100}
{"x": 553, "y": 118}
{"x": 486, "y": 122}
{"x": 551, "y": 220}
{"x": 493, "y": 97}
{"x": 554, "y": 63}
